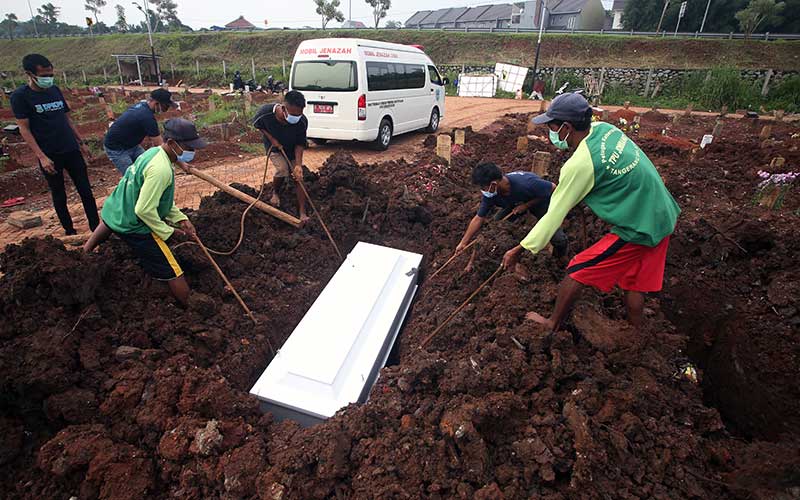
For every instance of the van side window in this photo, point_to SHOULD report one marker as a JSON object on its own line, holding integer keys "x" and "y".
{"x": 394, "y": 76}
{"x": 436, "y": 79}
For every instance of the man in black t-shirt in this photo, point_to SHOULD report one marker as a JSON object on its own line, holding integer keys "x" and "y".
{"x": 41, "y": 113}
{"x": 123, "y": 140}
{"x": 284, "y": 128}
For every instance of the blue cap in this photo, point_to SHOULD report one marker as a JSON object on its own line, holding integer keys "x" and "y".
{"x": 569, "y": 107}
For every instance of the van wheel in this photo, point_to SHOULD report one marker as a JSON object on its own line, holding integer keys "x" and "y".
{"x": 384, "y": 135}
{"x": 433, "y": 125}
{"x": 320, "y": 142}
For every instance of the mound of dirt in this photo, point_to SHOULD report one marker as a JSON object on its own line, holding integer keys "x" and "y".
{"x": 109, "y": 390}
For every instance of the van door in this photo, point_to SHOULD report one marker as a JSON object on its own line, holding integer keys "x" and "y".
{"x": 437, "y": 89}
{"x": 331, "y": 91}
{"x": 417, "y": 95}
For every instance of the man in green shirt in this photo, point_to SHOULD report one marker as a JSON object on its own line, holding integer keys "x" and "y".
{"x": 142, "y": 211}
{"x": 609, "y": 173}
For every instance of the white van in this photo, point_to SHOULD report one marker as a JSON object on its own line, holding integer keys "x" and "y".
{"x": 365, "y": 90}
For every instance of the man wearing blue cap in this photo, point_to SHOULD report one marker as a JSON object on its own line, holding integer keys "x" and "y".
{"x": 142, "y": 211}
{"x": 621, "y": 185}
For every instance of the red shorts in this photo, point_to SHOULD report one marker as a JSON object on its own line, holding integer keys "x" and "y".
{"x": 612, "y": 261}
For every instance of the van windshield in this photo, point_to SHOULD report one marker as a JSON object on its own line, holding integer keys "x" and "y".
{"x": 329, "y": 76}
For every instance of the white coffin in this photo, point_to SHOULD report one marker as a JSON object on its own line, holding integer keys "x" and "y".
{"x": 334, "y": 355}
{"x": 477, "y": 85}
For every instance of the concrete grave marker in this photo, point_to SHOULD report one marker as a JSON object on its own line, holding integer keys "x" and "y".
{"x": 627, "y": 104}
{"x": 541, "y": 163}
{"x": 766, "y": 131}
{"x": 460, "y": 136}
{"x": 522, "y": 143}
{"x": 777, "y": 162}
{"x": 24, "y": 220}
{"x": 779, "y": 115}
{"x": 444, "y": 145}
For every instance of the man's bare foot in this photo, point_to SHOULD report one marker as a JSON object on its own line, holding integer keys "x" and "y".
{"x": 538, "y": 318}
{"x": 275, "y": 200}
{"x": 304, "y": 219}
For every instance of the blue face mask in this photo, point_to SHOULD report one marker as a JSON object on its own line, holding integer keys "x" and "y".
{"x": 292, "y": 119}
{"x": 559, "y": 143}
{"x": 186, "y": 156}
{"x": 45, "y": 82}
{"x": 489, "y": 194}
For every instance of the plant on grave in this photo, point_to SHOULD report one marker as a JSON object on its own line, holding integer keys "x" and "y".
{"x": 772, "y": 189}
{"x": 628, "y": 127}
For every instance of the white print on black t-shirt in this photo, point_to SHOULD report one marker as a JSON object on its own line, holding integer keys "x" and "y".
{"x": 50, "y": 106}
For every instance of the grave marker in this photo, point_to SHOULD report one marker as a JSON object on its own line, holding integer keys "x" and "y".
{"x": 766, "y": 131}
{"x": 460, "y": 136}
{"x": 522, "y": 143}
{"x": 24, "y": 220}
{"x": 444, "y": 145}
{"x": 541, "y": 163}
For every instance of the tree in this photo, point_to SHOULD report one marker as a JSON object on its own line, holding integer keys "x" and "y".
{"x": 757, "y": 12}
{"x": 122, "y": 23}
{"x": 643, "y": 15}
{"x": 329, "y": 10}
{"x": 394, "y": 24}
{"x": 167, "y": 12}
{"x": 48, "y": 13}
{"x": 95, "y": 6}
{"x": 379, "y": 8}
{"x": 11, "y": 22}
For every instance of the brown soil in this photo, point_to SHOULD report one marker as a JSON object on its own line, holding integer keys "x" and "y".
{"x": 110, "y": 391}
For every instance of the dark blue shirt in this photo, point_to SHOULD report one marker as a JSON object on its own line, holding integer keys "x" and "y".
{"x": 46, "y": 112}
{"x": 525, "y": 187}
{"x": 287, "y": 135}
{"x": 130, "y": 129}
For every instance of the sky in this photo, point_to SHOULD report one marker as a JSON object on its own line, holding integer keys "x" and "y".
{"x": 205, "y": 13}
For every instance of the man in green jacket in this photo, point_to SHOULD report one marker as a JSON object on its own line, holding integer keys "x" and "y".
{"x": 609, "y": 173}
{"x": 142, "y": 211}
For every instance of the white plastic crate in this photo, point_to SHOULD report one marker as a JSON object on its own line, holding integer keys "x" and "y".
{"x": 334, "y": 355}
{"x": 510, "y": 78}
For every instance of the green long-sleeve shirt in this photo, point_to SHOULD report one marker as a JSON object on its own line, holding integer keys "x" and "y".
{"x": 618, "y": 182}
{"x": 144, "y": 200}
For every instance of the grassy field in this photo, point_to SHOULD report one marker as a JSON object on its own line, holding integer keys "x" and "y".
{"x": 270, "y": 48}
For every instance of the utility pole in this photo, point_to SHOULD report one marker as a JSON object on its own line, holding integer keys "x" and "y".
{"x": 661, "y": 20}
{"x": 539, "y": 41}
{"x": 350, "y": 11}
{"x": 33, "y": 18}
{"x": 703, "y": 24}
{"x": 150, "y": 36}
